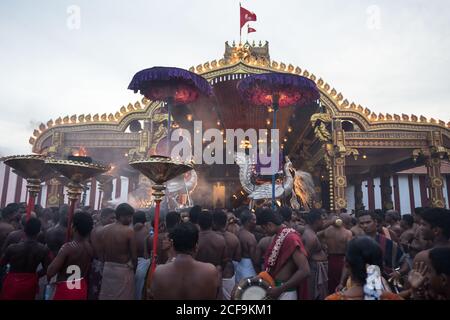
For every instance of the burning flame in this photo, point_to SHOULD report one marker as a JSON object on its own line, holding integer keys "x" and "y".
{"x": 81, "y": 152}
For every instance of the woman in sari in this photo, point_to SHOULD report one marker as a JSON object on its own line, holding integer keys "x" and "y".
{"x": 364, "y": 260}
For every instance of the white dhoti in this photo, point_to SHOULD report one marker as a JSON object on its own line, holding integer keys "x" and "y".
{"x": 244, "y": 269}
{"x": 227, "y": 287}
{"x": 139, "y": 278}
{"x": 117, "y": 281}
{"x": 288, "y": 295}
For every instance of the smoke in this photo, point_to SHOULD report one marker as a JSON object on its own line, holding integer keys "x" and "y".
{"x": 203, "y": 193}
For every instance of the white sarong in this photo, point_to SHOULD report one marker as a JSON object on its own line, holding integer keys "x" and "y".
{"x": 227, "y": 287}
{"x": 244, "y": 269}
{"x": 139, "y": 278}
{"x": 288, "y": 295}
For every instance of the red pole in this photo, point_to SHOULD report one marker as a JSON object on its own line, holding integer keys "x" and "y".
{"x": 69, "y": 220}
{"x": 30, "y": 206}
{"x": 155, "y": 239}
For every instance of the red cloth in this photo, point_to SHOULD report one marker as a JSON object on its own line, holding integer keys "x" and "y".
{"x": 20, "y": 286}
{"x": 336, "y": 264}
{"x": 67, "y": 290}
{"x": 250, "y": 30}
{"x": 246, "y": 16}
{"x": 291, "y": 242}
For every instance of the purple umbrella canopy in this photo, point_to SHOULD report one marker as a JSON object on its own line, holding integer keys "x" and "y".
{"x": 164, "y": 83}
{"x": 291, "y": 89}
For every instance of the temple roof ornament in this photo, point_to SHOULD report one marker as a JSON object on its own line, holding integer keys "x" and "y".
{"x": 249, "y": 58}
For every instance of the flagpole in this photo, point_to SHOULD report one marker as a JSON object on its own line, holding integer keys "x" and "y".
{"x": 240, "y": 27}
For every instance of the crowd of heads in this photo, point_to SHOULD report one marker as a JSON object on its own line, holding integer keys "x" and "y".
{"x": 183, "y": 228}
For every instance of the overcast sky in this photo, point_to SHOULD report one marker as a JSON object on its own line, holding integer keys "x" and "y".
{"x": 389, "y": 56}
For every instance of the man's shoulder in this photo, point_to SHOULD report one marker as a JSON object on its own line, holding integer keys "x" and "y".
{"x": 6, "y": 227}
{"x": 422, "y": 256}
{"x": 231, "y": 235}
{"x": 205, "y": 267}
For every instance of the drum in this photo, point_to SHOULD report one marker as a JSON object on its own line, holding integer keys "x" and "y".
{"x": 251, "y": 289}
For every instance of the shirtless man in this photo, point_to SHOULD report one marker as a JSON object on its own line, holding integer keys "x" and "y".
{"x": 246, "y": 267}
{"x": 285, "y": 263}
{"x": 185, "y": 278}
{"x": 56, "y": 236}
{"x": 318, "y": 261}
{"x": 8, "y": 223}
{"x": 141, "y": 233}
{"x": 232, "y": 252}
{"x": 408, "y": 231}
{"x": 393, "y": 221}
{"x": 73, "y": 261}
{"x": 356, "y": 229}
{"x": 120, "y": 255}
{"x": 211, "y": 246}
{"x": 21, "y": 283}
{"x": 261, "y": 249}
{"x": 17, "y": 235}
{"x": 336, "y": 238}
{"x": 232, "y": 223}
{"x": 107, "y": 216}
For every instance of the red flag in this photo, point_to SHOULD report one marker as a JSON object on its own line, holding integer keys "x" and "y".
{"x": 246, "y": 16}
{"x": 250, "y": 30}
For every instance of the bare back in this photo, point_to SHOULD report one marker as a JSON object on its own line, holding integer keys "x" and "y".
{"x": 261, "y": 249}
{"x": 232, "y": 253}
{"x": 336, "y": 239}
{"x": 5, "y": 230}
{"x": 76, "y": 254}
{"x": 117, "y": 240}
{"x": 313, "y": 245}
{"x": 55, "y": 238}
{"x": 211, "y": 248}
{"x": 185, "y": 279}
{"x": 25, "y": 257}
{"x": 141, "y": 233}
{"x": 248, "y": 243}
{"x": 95, "y": 239}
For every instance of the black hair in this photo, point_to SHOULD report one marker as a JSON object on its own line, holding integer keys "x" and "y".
{"x": 205, "y": 220}
{"x": 32, "y": 227}
{"x": 139, "y": 217}
{"x": 172, "y": 219}
{"x": 124, "y": 209}
{"x": 219, "y": 218}
{"x": 267, "y": 215}
{"x": 440, "y": 260}
{"x": 38, "y": 210}
{"x": 375, "y": 217}
{"x": 313, "y": 216}
{"x": 10, "y": 209}
{"x": 245, "y": 216}
{"x": 194, "y": 213}
{"x": 184, "y": 237}
{"x": 83, "y": 223}
{"x": 362, "y": 251}
{"x": 394, "y": 215}
{"x": 63, "y": 213}
{"x": 106, "y": 212}
{"x": 408, "y": 219}
{"x": 438, "y": 217}
{"x": 286, "y": 213}
{"x": 418, "y": 210}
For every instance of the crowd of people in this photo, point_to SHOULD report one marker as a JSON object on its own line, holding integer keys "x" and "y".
{"x": 208, "y": 254}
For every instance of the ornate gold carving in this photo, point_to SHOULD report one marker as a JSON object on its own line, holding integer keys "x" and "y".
{"x": 319, "y": 122}
{"x": 341, "y": 203}
{"x": 340, "y": 181}
{"x": 436, "y": 182}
